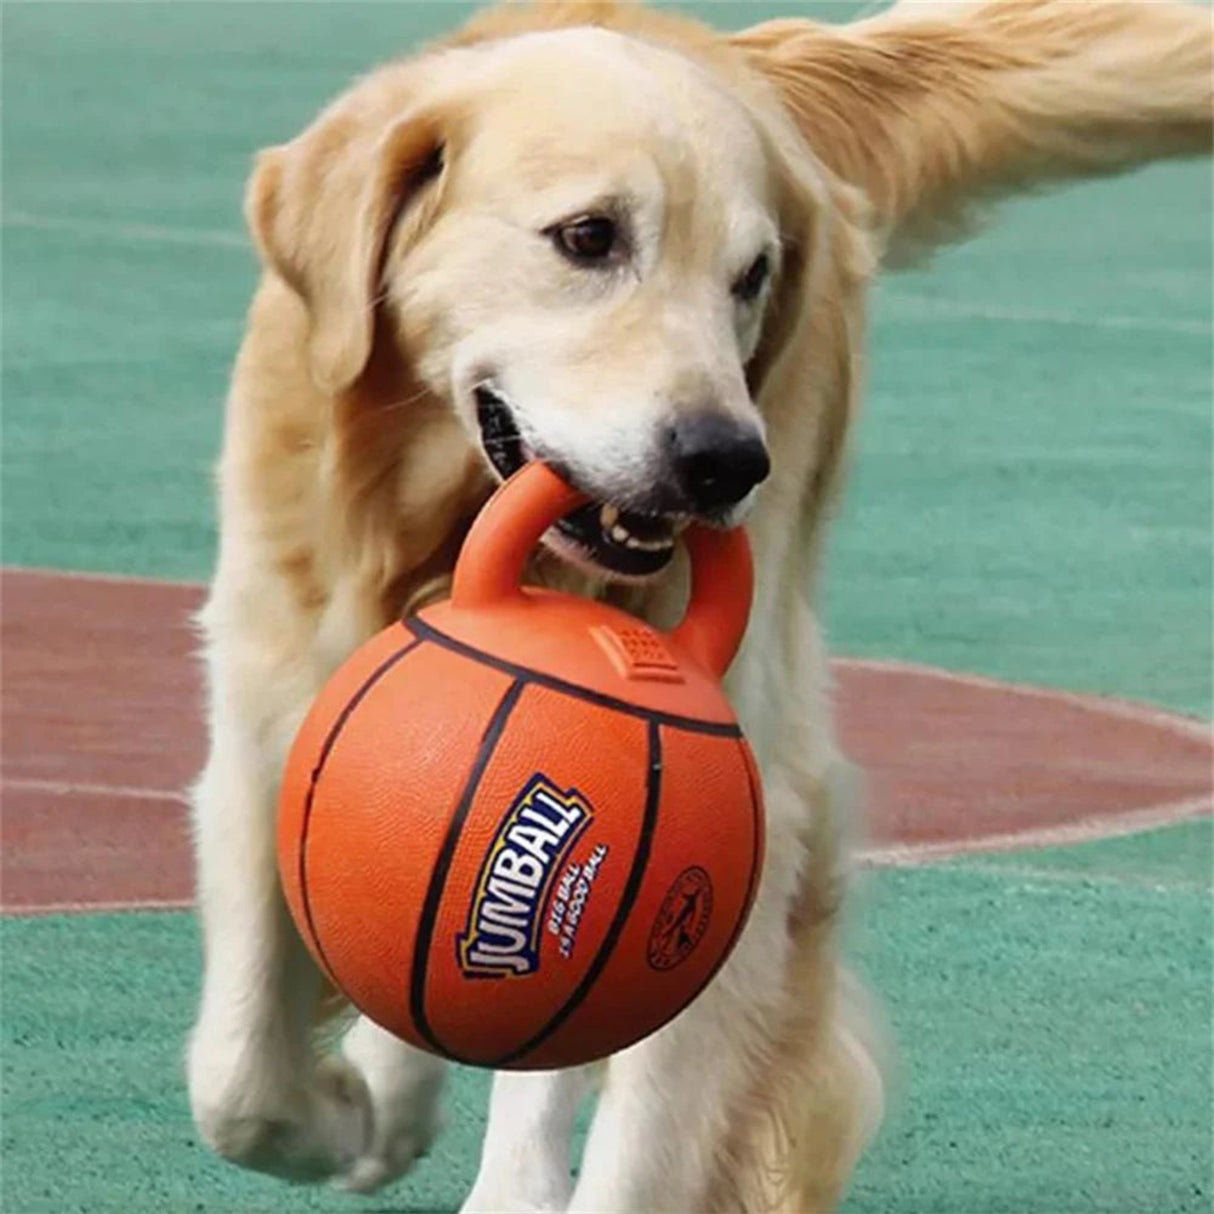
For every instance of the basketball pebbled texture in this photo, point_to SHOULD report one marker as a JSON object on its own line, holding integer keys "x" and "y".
{"x": 503, "y": 902}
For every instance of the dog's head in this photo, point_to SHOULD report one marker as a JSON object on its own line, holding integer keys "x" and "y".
{"x": 578, "y": 241}
{"x": 614, "y": 249}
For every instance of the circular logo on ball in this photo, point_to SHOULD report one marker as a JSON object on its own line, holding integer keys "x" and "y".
{"x": 682, "y": 920}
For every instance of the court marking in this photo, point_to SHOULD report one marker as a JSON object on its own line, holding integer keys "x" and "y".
{"x": 909, "y": 856}
{"x": 1112, "y": 706}
{"x": 117, "y": 579}
{"x": 1081, "y": 830}
{"x": 972, "y": 836}
{"x": 1131, "y": 710}
{"x": 927, "y": 307}
{"x": 931, "y": 308}
{"x": 96, "y": 908}
{"x": 901, "y": 856}
{"x": 140, "y": 233}
{"x": 69, "y": 788}
{"x": 1031, "y": 877}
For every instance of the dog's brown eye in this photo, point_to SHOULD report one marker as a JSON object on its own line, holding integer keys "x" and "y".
{"x": 590, "y": 239}
{"x": 747, "y": 287}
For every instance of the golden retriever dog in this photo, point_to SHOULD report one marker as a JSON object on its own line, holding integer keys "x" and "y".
{"x": 637, "y": 248}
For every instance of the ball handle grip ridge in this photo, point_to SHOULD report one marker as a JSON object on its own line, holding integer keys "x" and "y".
{"x": 506, "y": 531}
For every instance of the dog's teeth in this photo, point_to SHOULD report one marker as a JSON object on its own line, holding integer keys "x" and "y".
{"x": 609, "y": 516}
{"x": 648, "y": 545}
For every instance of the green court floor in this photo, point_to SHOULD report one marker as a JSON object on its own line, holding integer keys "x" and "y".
{"x": 1051, "y": 1010}
{"x": 1031, "y": 498}
{"x": 1032, "y": 495}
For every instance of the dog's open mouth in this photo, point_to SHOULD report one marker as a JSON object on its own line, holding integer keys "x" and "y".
{"x": 624, "y": 542}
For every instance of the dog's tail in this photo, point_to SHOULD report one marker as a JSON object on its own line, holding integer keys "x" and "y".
{"x": 931, "y": 107}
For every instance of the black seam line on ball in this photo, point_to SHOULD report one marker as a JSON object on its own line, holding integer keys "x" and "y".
{"x": 756, "y": 863}
{"x": 758, "y": 833}
{"x": 326, "y": 749}
{"x": 438, "y": 879}
{"x": 428, "y": 632}
{"x": 653, "y": 797}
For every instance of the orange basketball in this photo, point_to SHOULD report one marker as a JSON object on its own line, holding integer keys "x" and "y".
{"x": 523, "y": 829}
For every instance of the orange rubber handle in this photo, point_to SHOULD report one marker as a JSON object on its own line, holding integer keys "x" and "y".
{"x": 505, "y": 533}
{"x": 722, "y": 586}
{"x": 491, "y": 562}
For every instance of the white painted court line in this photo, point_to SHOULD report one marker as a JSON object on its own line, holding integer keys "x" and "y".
{"x": 909, "y": 856}
{"x": 1081, "y": 830}
{"x": 67, "y": 788}
{"x": 1086, "y": 830}
{"x": 1144, "y": 714}
{"x": 928, "y": 307}
{"x": 140, "y": 233}
{"x": 1030, "y": 875}
{"x": 93, "y": 908}
{"x": 919, "y": 306}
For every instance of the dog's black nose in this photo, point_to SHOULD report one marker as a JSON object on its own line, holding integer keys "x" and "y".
{"x": 717, "y": 460}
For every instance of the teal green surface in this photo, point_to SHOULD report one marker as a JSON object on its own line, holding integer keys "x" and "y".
{"x": 1032, "y": 484}
{"x": 1052, "y": 1011}
{"x": 1031, "y": 497}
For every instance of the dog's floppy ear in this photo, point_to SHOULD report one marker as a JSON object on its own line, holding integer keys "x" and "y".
{"x": 931, "y": 107}
{"x": 321, "y": 210}
{"x": 808, "y": 362}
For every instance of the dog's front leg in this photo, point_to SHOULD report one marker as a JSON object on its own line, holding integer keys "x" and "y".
{"x": 259, "y": 1095}
{"x": 525, "y": 1164}
{"x": 405, "y": 1086}
{"x": 670, "y": 1103}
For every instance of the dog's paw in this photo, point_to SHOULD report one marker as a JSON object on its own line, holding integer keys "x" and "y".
{"x": 405, "y": 1086}
{"x": 507, "y": 1189}
{"x": 483, "y": 1200}
{"x": 306, "y": 1135}
{"x": 393, "y": 1150}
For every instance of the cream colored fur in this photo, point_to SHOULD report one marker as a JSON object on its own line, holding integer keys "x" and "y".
{"x": 351, "y": 467}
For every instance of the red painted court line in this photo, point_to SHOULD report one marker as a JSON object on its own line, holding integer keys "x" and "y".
{"x": 1100, "y": 705}
{"x": 93, "y": 852}
{"x": 102, "y": 732}
{"x": 109, "y": 579}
